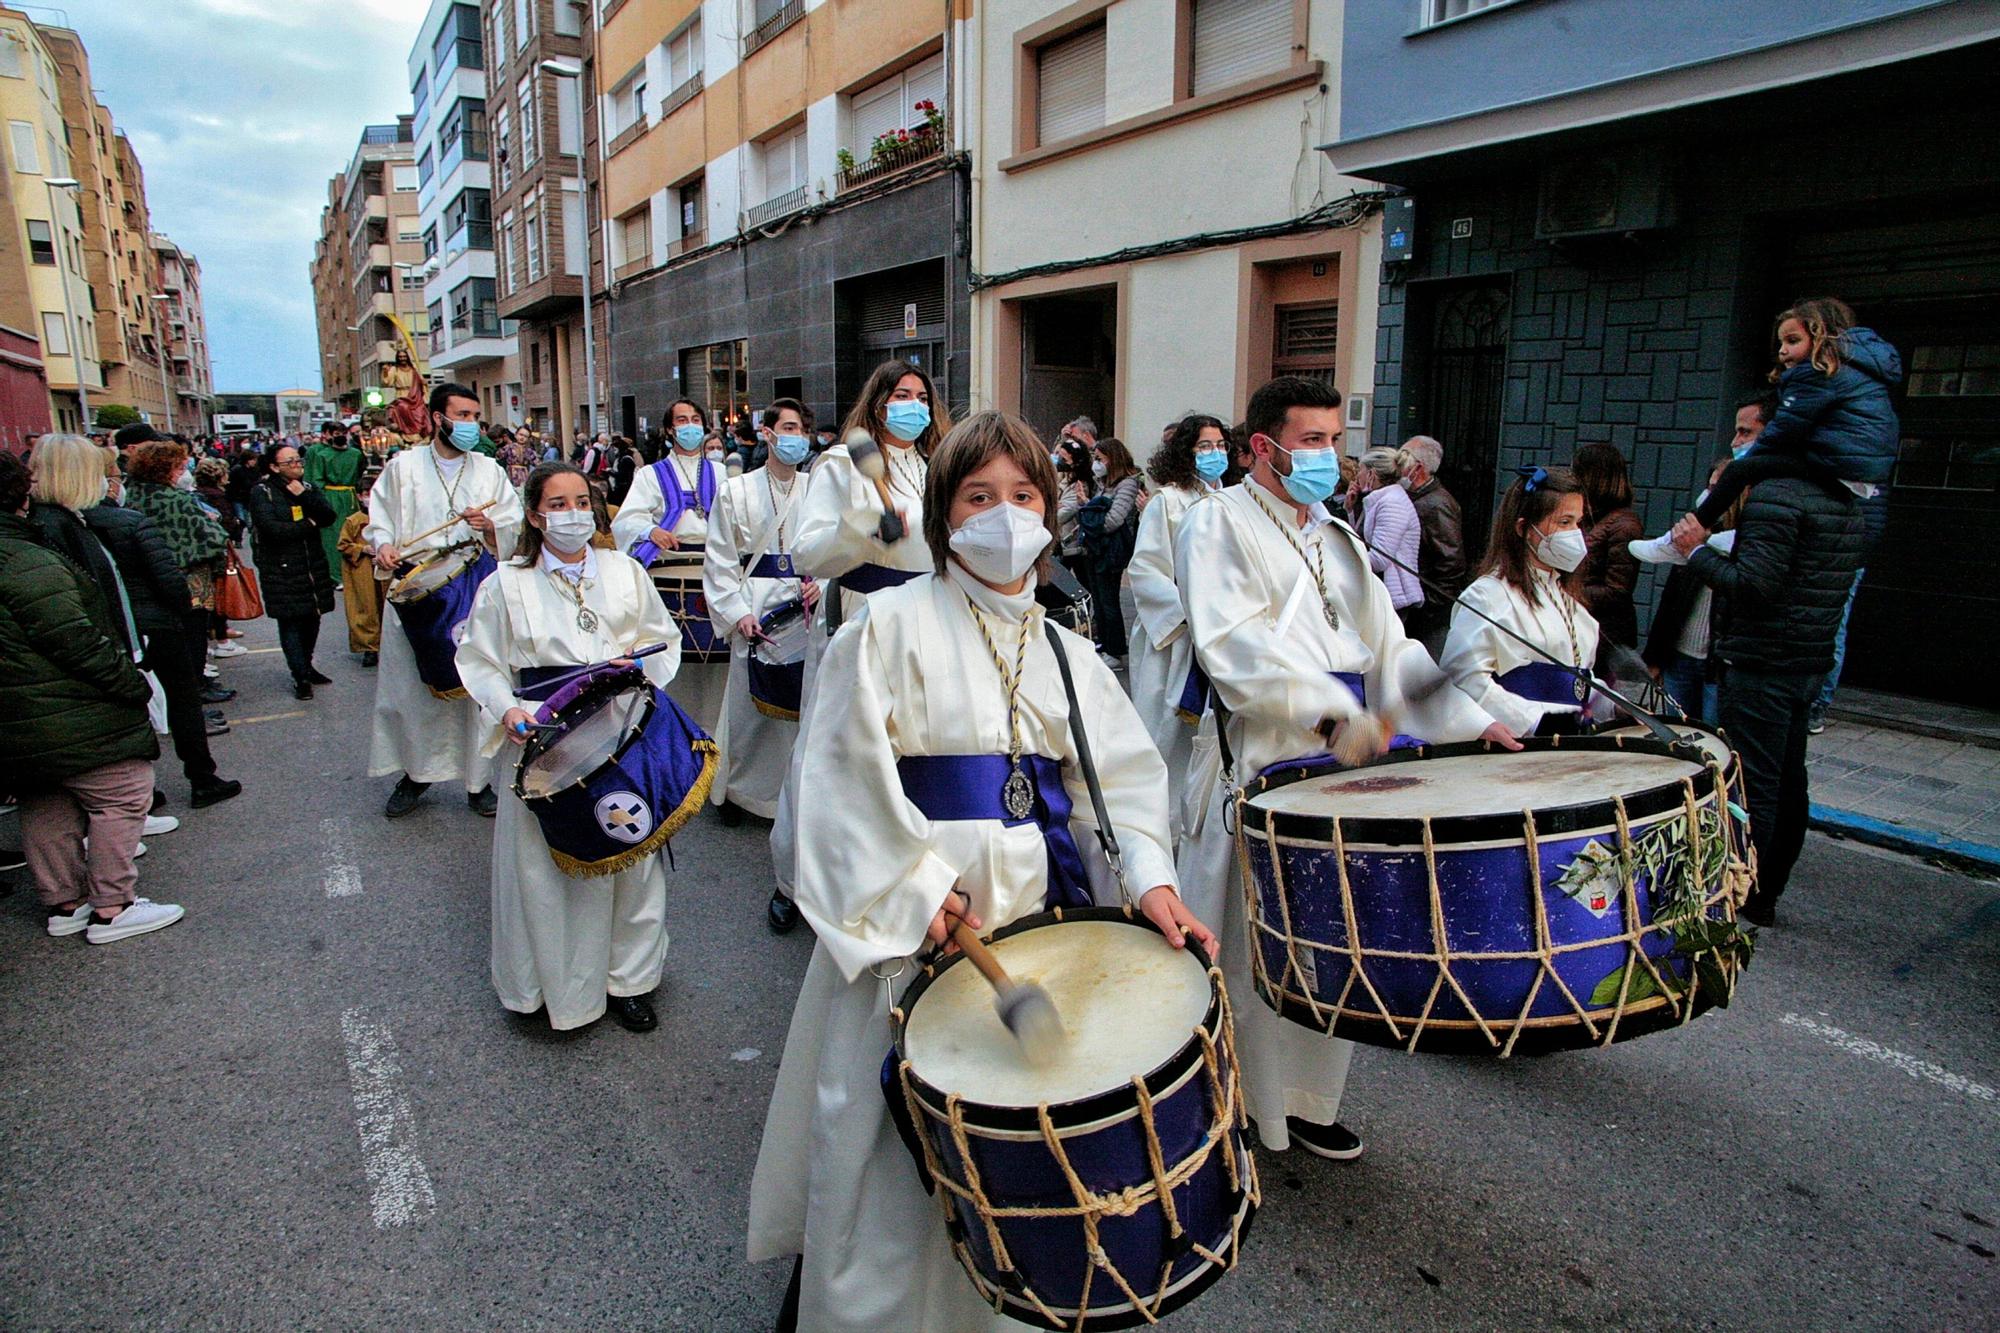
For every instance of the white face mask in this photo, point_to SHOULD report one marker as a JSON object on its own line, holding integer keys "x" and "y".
{"x": 1562, "y": 551}
{"x": 1098, "y": 468}
{"x": 1001, "y": 544}
{"x": 570, "y": 531}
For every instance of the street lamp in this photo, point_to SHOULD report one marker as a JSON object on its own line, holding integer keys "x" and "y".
{"x": 62, "y": 275}
{"x": 575, "y": 73}
{"x": 166, "y": 369}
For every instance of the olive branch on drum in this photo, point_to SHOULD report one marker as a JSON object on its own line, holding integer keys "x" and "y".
{"x": 1679, "y": 869}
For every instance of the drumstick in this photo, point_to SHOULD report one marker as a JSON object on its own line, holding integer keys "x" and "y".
{"x": 1025, "y": 1009}
{"x": 551, "y": 684}
{"x": 868, "y": 461}
{"x": 456, "y": 518}
{"x": 1353, "y": 747}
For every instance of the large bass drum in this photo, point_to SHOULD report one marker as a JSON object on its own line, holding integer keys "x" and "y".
{"x": 1466, "y": 898}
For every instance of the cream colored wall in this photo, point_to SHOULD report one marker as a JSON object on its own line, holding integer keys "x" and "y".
{"x": 1179, "y": 355}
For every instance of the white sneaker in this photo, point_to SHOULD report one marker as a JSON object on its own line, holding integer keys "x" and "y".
{"x": 137, "y": 852}
{"x": 1656, "y": 550}
{"x": 141, "y": 918}
{"x": 158, "y": 824}
{"x": 229, "y": 649}
{"x": 70, "y": 923}
{"x": 210, "y": 673}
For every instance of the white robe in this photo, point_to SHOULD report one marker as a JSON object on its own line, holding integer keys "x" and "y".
{"x": 756, "y": 748}
{"x": 838, "y": 517}
{"x": 1476, "y": 654}
{"x": 564, "y": 942}
{"x": 415, "y": 732}
{"x": 1161, "y": 650}
{"x": 1254, "y": 612}
{"x": 701, "y": 684}
{"x": 833, "y": 1180}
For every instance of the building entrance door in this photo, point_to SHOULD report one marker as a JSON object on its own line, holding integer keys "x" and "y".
{"x": 1460, "y": 367}
{"x": 1069, "y": 360}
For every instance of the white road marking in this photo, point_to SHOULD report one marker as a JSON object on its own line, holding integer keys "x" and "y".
{"x": 1909, "y": 1064}
{"x": 398, "y": 1185}
{"x": 746, "y": 1055}
{"x": 343, "y": 876}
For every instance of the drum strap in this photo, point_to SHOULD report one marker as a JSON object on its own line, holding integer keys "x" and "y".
{"x": 1107, "y": 836}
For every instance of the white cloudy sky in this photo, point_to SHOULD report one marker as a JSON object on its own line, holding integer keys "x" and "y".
{"x": 240, "y": 111}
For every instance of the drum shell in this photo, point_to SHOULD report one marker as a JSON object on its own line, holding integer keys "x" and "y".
{"x": 677, "y": 578}
{"x": 1486, "y": 904}
{"x": 434, "y": 621}
{"x": 1105, "y": 1140}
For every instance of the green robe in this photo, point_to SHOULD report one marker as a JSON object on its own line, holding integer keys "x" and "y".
{"x": 336, "y": 472}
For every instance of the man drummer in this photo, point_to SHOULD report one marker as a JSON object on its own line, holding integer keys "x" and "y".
{"x": 418, "y": 735}
{"x": 1297, "y": 636}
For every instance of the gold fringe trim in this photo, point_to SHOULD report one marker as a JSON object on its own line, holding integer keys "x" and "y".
{"x": 689, "y": 807}
{"x": 1191, "y": 719}
{"x": 772, "y": 710}
{"x": 437, "y": 693}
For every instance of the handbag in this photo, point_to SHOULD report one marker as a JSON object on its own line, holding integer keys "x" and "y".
{"x": 237, "y": 596}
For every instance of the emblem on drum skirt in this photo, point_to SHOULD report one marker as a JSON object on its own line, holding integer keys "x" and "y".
{"x": 625, "y": 817}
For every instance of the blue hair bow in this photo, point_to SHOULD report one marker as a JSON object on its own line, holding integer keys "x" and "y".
{"x": 1531, "y": 477}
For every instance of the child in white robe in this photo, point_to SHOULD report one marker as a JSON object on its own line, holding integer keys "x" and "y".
{"x": 914, "y": 674}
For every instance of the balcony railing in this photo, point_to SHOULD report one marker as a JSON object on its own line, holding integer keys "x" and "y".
{"x": 693, "y": 241}
{"x": 922, "y": 145}
{"x": 772, "y": 26}
{"x": 470, "y": 236}
{"x": 791, "y": 201}
{"x": 682, "y": 95}
{"x": 481, "y": 321}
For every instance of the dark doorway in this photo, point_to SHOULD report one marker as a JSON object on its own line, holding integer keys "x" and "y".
{"x": 628, "y": 417}
{"x": 898, "y": 314}
{"x": 1459, "y": 364}
{"x": 1069, "y": 360}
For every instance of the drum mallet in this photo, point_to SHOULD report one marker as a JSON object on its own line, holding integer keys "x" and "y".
{"x": 869, "y": 462}
{"x": 1025, "y": 1009}
{"x": 1354, "y": 746}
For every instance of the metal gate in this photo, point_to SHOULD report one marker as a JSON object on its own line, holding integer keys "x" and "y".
{"x": 1464, "y": 368}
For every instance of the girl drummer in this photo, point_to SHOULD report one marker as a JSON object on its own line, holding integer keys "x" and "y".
{"x": 1531, "y": 584}
{"x": 942, "y": 683}
{"x": 572, "y": 946}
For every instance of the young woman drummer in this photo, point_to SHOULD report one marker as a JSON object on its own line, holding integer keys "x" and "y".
{"x": 945, "y": 682}
{"x": 1532, "y": 584}
{"x": 572, "y": 946}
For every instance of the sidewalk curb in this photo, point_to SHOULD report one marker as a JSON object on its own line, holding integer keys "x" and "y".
{"x": 1977, "y": 857}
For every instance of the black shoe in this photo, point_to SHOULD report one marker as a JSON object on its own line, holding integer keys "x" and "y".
{"x": 314, "y": 675}
{"x": 730, "y": 813}
{"x": 215, "y": 694}
{"x": 782, "y": 915}
{"x": 633, "y": 1012}
{"x": 159, "y": 801}
{"x": 1336, "y": 1143}
{"x": 302, "y": 689}
{"x": 210, "y": 791}
{"x": 405, "y": 797}
{"x": 1758, "y": 913}
{"x": 370, "y": 659}
{"x": 215, "y": 726}
{"x": 484, "y": 802}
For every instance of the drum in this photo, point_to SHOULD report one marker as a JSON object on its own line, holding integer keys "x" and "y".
{"x": 776, "y": 668}
{"x": 677, "y": 576}
{"x": 615, "y": 772}
{"x": 432, "y": 603}
{"x": 1465, "y": 898}
{"x": 1112, "y": 1186}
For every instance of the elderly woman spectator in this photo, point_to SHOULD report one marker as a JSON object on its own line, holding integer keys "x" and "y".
{"x": 286, "y": 516}
{"x": 1441, "y": 554}
{"x": 79, "y": 748}
{"x": 1609, "y": 569}
{"x": 1389, "y": 525}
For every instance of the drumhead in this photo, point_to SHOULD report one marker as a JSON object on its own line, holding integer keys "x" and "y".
{"x": 583, "y": 749}
{"x": 1497, "y": 783}
{"x": 787, "y": 631}
{"x": 431, "y": 575}
{"x": 1128, "y": 1001}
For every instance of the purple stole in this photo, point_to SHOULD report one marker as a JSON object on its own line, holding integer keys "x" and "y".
{"x": 677, "y": 498}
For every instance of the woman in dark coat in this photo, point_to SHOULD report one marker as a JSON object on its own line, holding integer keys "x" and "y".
{"x": 1609, "y": 569}
{"x": 286, "y": 516}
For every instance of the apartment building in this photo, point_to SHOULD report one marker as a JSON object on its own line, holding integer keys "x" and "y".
{"x": 186, "y": 345}
{"x": 1595, "y": 250}
{"x": 469, "y": 342}
{"x": 367, "y": 265}
{"x": 24, "y": 385}
{"x": 545, "y": 164}
{"x": 784, "y": 195}
{"x": 49, "y": 240}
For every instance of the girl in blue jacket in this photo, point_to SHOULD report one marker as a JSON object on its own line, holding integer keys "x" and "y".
{"x": 1834, "y": 420}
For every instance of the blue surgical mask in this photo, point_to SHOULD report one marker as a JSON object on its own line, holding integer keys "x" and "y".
{"x": 792, "y": 449}
{"x": 689, "y": 437}
{"x": 464, "y": 434}
{"x": 1735, "y": 452}
{"x": 1211, "y": 465}
{"x": 907, "y": 418}
{"x": 1315, "y": 475}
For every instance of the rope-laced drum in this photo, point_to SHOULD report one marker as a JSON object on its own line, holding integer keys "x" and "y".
{"x": 677, "y": 576}
{"x": 1107, "y": 1188}
{"x": 1466, "y": 898}
{"x": 432, "y": 603}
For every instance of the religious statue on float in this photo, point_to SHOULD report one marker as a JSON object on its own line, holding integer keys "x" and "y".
{"x": 409, "y": 415}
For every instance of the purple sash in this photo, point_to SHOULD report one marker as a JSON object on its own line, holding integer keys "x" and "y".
{"x": 1194, "y": 695}
{"x": 1359, "y": 689}
{"x": 967, "y": 786}
{"x": 873, "y": 578}
{"x": 1544, "y": 682}
{"x": 677, "y": 498}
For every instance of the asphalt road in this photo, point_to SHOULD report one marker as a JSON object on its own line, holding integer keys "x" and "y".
{"x": 189, "y": 1121}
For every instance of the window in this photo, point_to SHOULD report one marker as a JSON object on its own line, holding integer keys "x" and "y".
{"x": 1443, "y": 11}
{"x": 891, "y": 104}
{"x": 718, "y": 377}
{"x": 41, "y": 245}
{"x": 534, "y": 363}
{"x": 26, "y": 158}
{"x": 628, "y": 103}
{"x": 10, "y": 57}
{"x": 431, "y": 241}
{"x": 405, "y": 178}
{"x": 464, "y": 131}
{"x": 457, "y": 44}
{"x": 412, "y": 281}
{"x": 502, "y": 121}
{"x": 785, "y": 164}
{"x": 569, "y": 138}
{"x": 569, "y": 23}
{"x": 693, "y": 221}
{"x": 1238, "y": 40}
{"x": 499, "y": 38}
{"x": 531, "y": 228}
{"x": 524, "y": 23}
{"x": 55, "y": 334}
{"x": 1307, "y": 341}
{"x": 529, "y": 120}
{"x": 420, "y": 91}
{"x": 473, "y": 312}
{"x": 468, "y": 221}
{"x": 408, "y": 233}
{"x": 58, "y": 152}
{"x": 435, "y": 311}
{"x": 635, "y": 237}
{"x": 1070, "y": 86}
{"x": 575, "y": 233}
{"x": 683, "y": 53}
{"x": 506, "y": 265}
